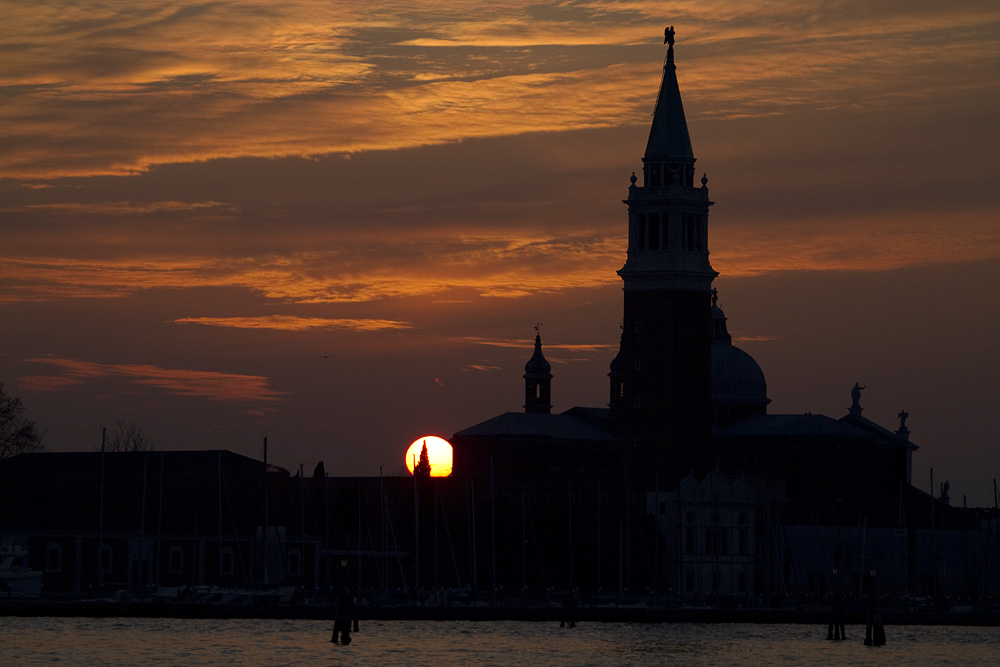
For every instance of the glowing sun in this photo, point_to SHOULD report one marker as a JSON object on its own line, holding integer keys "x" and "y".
{"x": 438, "y": 452}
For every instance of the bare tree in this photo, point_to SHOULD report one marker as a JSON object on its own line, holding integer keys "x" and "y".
{"x": 128, "y": 438}
{"x": 18, "y": 434}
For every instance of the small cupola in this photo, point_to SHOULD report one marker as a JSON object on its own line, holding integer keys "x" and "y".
{"x": 617, "y": 376}
{"x": 538, "y": 381}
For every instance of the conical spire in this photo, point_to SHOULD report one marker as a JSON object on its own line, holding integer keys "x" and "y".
{"x": 668, "y": 137}
{"x": 537, "y": 365}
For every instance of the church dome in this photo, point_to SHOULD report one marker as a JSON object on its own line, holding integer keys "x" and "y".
{"x": 738, "y": 385}
{"x": 736, "y": 377}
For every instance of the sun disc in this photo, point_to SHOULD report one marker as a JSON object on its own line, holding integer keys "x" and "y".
{"x": 439, "y": 452}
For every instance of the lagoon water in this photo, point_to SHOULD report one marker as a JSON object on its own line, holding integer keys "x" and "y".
{"x": 273, "y": 643}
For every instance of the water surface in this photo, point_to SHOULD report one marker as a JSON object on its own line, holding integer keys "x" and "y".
{"x": 303, "y": 643}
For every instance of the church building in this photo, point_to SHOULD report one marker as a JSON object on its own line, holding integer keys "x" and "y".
{"x": 684, "y": 483}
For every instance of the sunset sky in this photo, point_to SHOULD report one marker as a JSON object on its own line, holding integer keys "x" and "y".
{"x": 337, "y": 224}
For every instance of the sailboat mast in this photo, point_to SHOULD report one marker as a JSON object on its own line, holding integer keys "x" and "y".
{"x": 263, "y": 541}
{"x": 302, "y": 524}
{"x": 416, "y": 533}
{"x": 100, "y": 530}
{"x": 218, "y": 493}
{"x": 385, "y": 557}
{"x": 493, "y": 529}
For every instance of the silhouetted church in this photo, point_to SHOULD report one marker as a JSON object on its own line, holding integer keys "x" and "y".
{"x": 696, "y": 488}
{"x": 683, "y": 488}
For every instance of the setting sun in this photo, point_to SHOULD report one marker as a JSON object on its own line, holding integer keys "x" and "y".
{"x": 438, "y": 451}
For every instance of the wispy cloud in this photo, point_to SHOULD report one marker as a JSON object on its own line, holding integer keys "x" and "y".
{"x": 194, "y": 81}
{"x": 481, "y": 367}
{"x": 866, "y": 244}
{"x": 489, "y": 267}
{"x": 121, "y": 208}
{"x": 46, "y": 383}
{"x": 101, "y": 89}
{"x": 292, "y": 323}
{"x": 523, "y": 344}
{"x": 202, "y": 384}
{"x": 747, "y": 338}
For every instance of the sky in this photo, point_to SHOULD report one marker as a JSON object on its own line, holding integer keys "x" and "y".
{"x": 336, "y": 225}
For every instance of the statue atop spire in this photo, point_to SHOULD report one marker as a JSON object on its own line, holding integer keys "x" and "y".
{"x": 903, "y": 432}
{"x": 668, "y": 38}
{"x": 668, "y": 139}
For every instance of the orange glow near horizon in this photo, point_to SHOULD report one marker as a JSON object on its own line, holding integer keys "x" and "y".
{"x": 439, "y": 451}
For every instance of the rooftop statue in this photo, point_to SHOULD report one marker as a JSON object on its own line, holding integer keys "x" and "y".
{"x": 856, "y": 398}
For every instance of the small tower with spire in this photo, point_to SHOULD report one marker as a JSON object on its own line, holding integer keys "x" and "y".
{"x": 615, "y": 374}
{"x": 666, "y": 340}
{"x": 538, "y": 380}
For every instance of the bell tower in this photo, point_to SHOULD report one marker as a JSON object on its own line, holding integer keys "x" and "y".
{"x": 538, "y": 380}
{"x": 665, "y": 357}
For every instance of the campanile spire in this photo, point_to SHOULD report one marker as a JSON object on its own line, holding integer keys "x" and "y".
{"x": 668, "y": 157}
{"x": 668, "y": 215}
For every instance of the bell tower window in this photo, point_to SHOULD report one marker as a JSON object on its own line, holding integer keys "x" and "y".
{"x": 690, "y": 232}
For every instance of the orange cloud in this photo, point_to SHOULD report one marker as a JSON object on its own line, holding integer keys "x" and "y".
{"x": 873, "y": 243}
{"x": 522, "y": 344}
{"x": 291, "y": 323}
{"x": 213, "y": 80}
{"x": 204, "y": 81}
{"x": 489, "y": 266}
{"x": 123, "y": 208}
{"x": 756, "y": 339}
{"x": 45, "y": 383}
{"x": 204, "y": 384}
